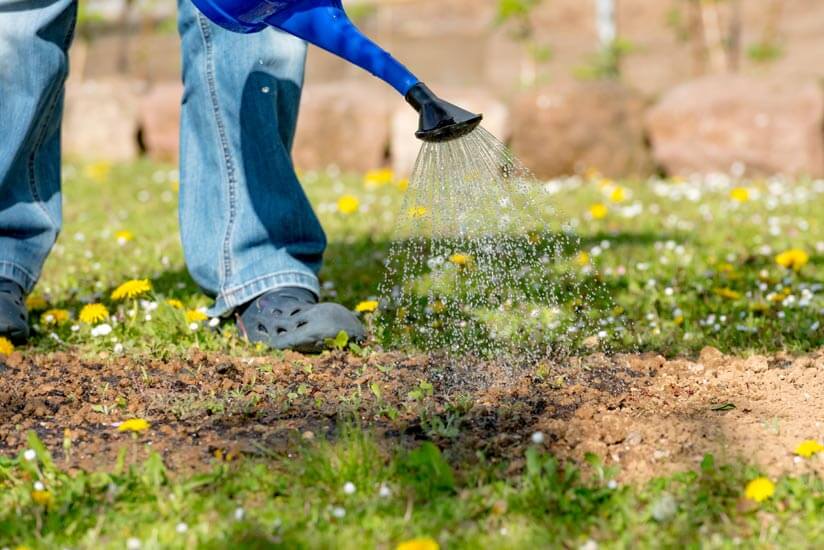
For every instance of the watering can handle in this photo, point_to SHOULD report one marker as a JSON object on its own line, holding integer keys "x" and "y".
{"x": 325, "y": 24}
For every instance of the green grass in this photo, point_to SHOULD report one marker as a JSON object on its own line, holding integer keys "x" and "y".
{"x": 302, "y": 502}
{"x": 688, "y": 265}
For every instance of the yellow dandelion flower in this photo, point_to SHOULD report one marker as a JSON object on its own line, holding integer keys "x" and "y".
{"x": 424, "y": 543}
{"x": 618, "y": 194}
{"x": 727, "y": 293}
{"x": 134, "y": 425}
{"x": 54, "y": 316}
{"x": 132, "y": 289}
{"x": 417, "y": 212}
{"x": 740, "y": 194}
{"x": 378, "y": 178}
{"x": 403, "y": 184}
{"x": 93, "y": 313}
{"x": 195, "y": 316}
{"x": 679, "y": 320}
{"x": 582, "y": 259}
{"x": 175, "y": 303}
{"x": 759, "y": 489}
{"x": 809, "y": 448}
{"x": 43, "y": 498}
{"x": 438, "y": 306}
{"x": 36, "y": 302}
{"x": 6, "y": 347}
{"x": 779, "y": 296}
{"x": 123, "y": 236}
{"x": 759, "y": 307}
{"x": 98, "y": 171}
{"x": 348, "y": 204}
{"x": 460, "y": 259}
{"x": 367, "y": 306}
{"x": 598, "y": 211}
{"x": 794, "y": 259}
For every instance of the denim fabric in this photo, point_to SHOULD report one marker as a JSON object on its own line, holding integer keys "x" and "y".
{"x": 246, "y": 224}
{"x": 34, "y": 37}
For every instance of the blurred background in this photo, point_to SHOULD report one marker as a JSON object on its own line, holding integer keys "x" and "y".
{"x": 625, "y": 87}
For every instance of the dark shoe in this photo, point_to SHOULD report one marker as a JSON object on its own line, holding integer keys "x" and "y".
{"x": 292, "y": 318}
{"x": 14, "y": 318}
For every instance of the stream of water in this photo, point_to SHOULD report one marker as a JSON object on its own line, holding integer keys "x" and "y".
{"x": 483, "y": 265}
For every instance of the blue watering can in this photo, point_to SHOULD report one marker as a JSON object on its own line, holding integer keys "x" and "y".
{"x": 325, "y": 24}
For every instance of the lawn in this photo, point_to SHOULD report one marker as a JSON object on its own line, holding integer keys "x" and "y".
{"x": 372, "y": 445}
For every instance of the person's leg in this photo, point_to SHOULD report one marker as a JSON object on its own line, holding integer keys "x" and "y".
{"x": 34, "y": 39}
{"x": 246, "y": 224}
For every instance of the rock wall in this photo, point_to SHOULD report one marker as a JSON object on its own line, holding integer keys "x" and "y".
{"x": 765, "y": 126}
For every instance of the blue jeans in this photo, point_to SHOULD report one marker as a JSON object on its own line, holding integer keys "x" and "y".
{"x": 246, "y": 224}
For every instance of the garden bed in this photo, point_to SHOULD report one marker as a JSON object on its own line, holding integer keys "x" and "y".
{"x": 645, "y": 414}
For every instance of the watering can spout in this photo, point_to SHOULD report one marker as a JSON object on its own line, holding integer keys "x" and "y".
{"x": 325, "y": 24}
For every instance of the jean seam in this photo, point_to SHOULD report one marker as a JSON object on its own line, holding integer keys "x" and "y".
{"x": 229, "y": 296}
{"x": 226, "y": 258}
{"x": 238, "y": 288}
{"x": 40, "y": 132}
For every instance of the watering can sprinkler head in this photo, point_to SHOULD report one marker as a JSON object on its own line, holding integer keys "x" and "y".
{"x": 440, "y": 120}
{"x": 325, "y": 24}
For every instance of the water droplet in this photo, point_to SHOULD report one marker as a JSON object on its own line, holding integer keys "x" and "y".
{"x": 489, "y": 274}
{"x": 265, "y": 89}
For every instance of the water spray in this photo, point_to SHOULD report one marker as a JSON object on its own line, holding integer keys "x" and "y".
{"x": 325, "y": 24}
{"x": 480, "y": 267}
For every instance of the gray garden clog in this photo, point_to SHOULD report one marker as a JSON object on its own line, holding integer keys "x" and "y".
{"x": 292, "y": 318}
{"x": 14, "y": 318}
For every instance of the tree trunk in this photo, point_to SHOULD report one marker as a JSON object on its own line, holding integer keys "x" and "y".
{"x": 734, "y": 37}
{"x": 125, "y": 31}
{"x": 605, "y": 22}
{"x": 713, "y": 36}
{"x": 695, "y": 31}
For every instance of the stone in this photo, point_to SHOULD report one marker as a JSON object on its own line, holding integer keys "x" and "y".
{"x": 734, "y": 123}
{"x": 160, "y": 121}
{"x": 757, "y": 363}
{"x": 634, "y": 439}
{"x": 100, "y": 120}
{"x": 345, "y": 124}
{"x": 405, "y": 146}
{"x": 568, "y": 128}
{"x": 711, "y": 357}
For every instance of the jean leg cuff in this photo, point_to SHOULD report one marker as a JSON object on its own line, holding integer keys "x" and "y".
{"x": 18, "y": 274}
{"x": 231, "y": 298}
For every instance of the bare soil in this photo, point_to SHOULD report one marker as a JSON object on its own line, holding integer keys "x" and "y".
{"x": 649, "y": 415}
